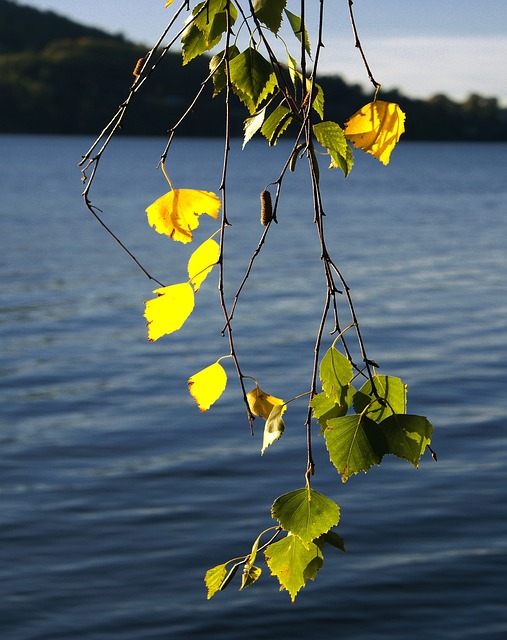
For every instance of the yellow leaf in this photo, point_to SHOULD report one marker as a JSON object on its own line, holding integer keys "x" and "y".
{"x": 176, "y": 213}
{"x": 168, "y": 3}
{"x": 376, "y": 128}
{"x": 169, "y": 310}
{"x": 207, "y": 385}
{"x": 261, "y": 403}
{"x": 202, "y": 262}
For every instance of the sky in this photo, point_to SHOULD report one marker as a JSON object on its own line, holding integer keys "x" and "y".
{"x": 454, "y": 47}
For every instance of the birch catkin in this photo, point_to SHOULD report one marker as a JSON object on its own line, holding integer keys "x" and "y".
{"x": 266, "y": 208}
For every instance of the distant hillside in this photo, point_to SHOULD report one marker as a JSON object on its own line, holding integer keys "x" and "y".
{"x": 57, "y": 76}
{"x": 23, "y": 28}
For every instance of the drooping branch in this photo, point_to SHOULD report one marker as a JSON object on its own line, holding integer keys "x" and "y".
{"x": 274, "y": 100}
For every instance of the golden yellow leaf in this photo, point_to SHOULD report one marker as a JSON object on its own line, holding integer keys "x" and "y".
{"x": 202, "y": 262}
{"x": 261, "y": 403}
{"x": 169, "y": 310}
{"x": 168, "y": 3}
{"x": 176, "y": 213}
{"x": 207, "y": 385}
{"x": 376, "y": 128}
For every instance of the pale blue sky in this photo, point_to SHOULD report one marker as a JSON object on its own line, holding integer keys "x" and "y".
{"x": 425, "y": 47}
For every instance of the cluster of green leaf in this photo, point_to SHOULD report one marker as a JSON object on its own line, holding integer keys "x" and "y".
{"x": 262, "y": 84}
{"x": 379, "y": 424}
{"x": 305, "y": 518}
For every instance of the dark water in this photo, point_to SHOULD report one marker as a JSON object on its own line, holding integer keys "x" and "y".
{"x": 116, "y": 494}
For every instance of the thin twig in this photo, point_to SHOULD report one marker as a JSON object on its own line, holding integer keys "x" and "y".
{"x": 225, "y": 223}
{"x": 361, "y": 51}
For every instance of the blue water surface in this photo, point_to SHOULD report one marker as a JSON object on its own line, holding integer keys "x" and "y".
{"x": 117, "y": 494}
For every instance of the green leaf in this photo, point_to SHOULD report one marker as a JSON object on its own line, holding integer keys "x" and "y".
{"x": 193, "y": 43}
{"x": 318, "y": 99}
{"x": 331, "y": 136}
{"x": 252, "y": 77}
{"x": 336, "y": 376}
{"x": 214, "y": 578}
{"x": 254, "y": 550}
{"x": 295, "y": 23}
{"x": 217, "y": 65}
{"x": 392, "y": 393}
{"x": 293, "y": 563}
{"x": 355, "y": 443}
{"x": 217, "y": 29}
{"x": 276, "y": 123}
{"x": 270, "y": 13}
{"x": 332, "y": 538}
{"x": 306, "y": 513}
{"x": 346, "y": 163}
{"x": 250, "y": 575}
{"x": 274, "y": 426}
{"x": 210, "y": 17}
{"x": 292, "y": 66}
{"x": 407, "y": 436}
{"x": 325, "y": 408}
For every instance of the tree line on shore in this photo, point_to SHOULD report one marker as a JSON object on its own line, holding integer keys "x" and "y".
{"x": 60, "y": 77}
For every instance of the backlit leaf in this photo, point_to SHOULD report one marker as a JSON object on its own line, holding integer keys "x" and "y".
{"x": 392, "y": 397}
{"x": 252, "y": 77}
{"x": 295, "y": 23}
{"x": 217, "y": 66}
{"x": 336, "y": 376}
{"x": 407, "y": 436}
{"x": 193, "y": 43}
{"x": 176, "y": 213}
{"x": 211, "y": 18}
{"x": 202, "y": 262}
{"x": 250, "y": 575}
{"x": 355, "y": 443}
{"x": 276, "y": 123}
{"x": 332, "y": 538}
{"x": 169, "y": 310}
{"x": 207, "y": 385}
{"x": 317, "y": 99}
{"x": 270, "y": 12}
{"x": 376, "y": 128}
{"x": 324, "y": 408}
{"x": 306, "y": 513}
{"x": 332, "y": 137}
{"x": 206, "y": 27}
{"x": 217, "y": 28}
{"x": 274, "y": 427}
{"x": 214, "y": 578}
{"x": 261, "y": 403}
{"x": 253, "y": 124}
{"x": 293, "y": 563}
{"x": 292, "y": 67}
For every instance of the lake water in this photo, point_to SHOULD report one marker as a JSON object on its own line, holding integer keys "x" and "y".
{"x": 117, "y": 494}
